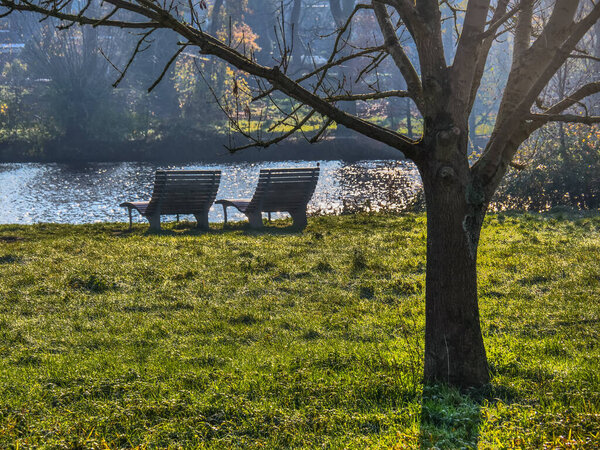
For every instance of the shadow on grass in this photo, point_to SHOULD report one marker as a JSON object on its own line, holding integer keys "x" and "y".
{"x": 10, "y": 239}
{"x": 277, "y": 227}
{"x": 449, "y": 418}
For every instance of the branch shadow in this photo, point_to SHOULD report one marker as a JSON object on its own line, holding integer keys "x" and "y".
{"x": 450, "y": 418}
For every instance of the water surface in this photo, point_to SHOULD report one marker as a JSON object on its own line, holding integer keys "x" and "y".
{"x": 62, "y": 193}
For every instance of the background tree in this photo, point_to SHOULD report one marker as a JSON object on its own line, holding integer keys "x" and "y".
{"x": 443, "y": 83}
{"x": 75, "y": 79}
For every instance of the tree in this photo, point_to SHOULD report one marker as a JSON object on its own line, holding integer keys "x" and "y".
{"x": 457, "y": 192}
{"x": 77, "y": 92}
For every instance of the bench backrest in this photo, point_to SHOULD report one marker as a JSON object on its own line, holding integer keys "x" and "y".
{"x": 184, "y": 191}
{"x": 284, "y": 189}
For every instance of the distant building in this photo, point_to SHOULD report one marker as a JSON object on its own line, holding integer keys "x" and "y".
{"x": 13, "y": 49}
{"x": 9, "y": 44}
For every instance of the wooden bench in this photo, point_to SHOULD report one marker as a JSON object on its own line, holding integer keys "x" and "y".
{"x": 179, "y": 192}
{"x": 278, "y": 190}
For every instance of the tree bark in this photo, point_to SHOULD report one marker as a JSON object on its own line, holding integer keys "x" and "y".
{"x": 454, "y": 350}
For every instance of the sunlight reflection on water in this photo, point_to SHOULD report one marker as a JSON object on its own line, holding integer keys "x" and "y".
{"x": 61, "y": 193}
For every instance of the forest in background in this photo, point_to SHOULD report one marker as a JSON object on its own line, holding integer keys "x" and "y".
{"x": 58, "y": 100}
{"x": 58, "y": 103}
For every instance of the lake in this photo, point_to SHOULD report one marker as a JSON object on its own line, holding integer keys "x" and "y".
{"x": 63, "y": 193}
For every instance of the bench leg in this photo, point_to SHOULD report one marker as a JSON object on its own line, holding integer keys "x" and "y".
{"x": 154, "y": 221}
{"x": 202, "y": 220}
{"x": 255, "y": 219}
{"x": 224, "y": 215}
{"x": 130, "y": 219}
{"x": 299, "y": 218}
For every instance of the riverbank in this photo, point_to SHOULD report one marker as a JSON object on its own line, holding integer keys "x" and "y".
{"x": 281, "y": 339}
{"x": 210, "y": 149}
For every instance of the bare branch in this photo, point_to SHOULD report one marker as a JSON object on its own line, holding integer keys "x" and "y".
{"x": 369, "y": 96}
{"x": 484, "y": 52}
{"x": 327, "y": 66}
{"x": 527, "y": 79}
{"x": 106, "y": 17}
{"x": 320, "y": 133}
{"x": 523, "y": 30}
{"x": 575, "y": 97}
{"x": 82, "y": 20}
{"x": 571, "y": 118}
{"x": 408, "y": 13}
{"x": 167, "y": 66}
{"x": 517, "y": 166}
{"x": 464, "y": 67}
{"x": 588, "y": 57}
{"x": 395, "y": 49}
{"x": 340, "y": 33}
{"x": 500, "y": 18}
{"x": 265, "y": 144}
{"x": 136, "y": 51}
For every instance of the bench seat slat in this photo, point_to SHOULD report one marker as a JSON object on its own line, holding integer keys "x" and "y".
{"x": 186, "y": 172}
{"x": 290, "y": 170}
{"x": 182, "y": 183}
{"x": 178, "y": 195}
{"x": 293, "y": 176}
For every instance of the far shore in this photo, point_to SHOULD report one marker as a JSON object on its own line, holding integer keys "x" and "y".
{"x": 185, "y": 149}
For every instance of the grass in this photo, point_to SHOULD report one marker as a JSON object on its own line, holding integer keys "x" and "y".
{"x": 277, "y": 339}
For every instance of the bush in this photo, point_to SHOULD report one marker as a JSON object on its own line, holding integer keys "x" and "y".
{"x": 564, "y": 170}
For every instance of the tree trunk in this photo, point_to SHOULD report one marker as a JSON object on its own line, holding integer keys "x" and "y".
{"x": 454, "y": 350}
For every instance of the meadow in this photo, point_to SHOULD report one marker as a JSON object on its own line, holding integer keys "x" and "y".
{"x": 234, "y": 338}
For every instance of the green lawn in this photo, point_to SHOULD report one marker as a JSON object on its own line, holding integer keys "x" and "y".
{"x": 277, "y": 339}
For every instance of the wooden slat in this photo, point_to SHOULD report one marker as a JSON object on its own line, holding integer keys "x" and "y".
{"x": 288, "y": 175}
{"x": 287, "y": 185}
{"x": 187, "y": 193}
{"x": 284, "y": 189}
{"x": 288, "y": 172}
{"x": 184, "y": 191}
{"x": 196, "y": 177}
{"x": 189, "y": 172}
{"x": 291, "y": 181}
{"x": 184, "y": 201}
{"x": 187, "y": 175}
{"x": 190, "y": 194}
{"x": 188, "y": 180}
{"x": 191, "y": 187}
{"x": 292, "y": 169}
